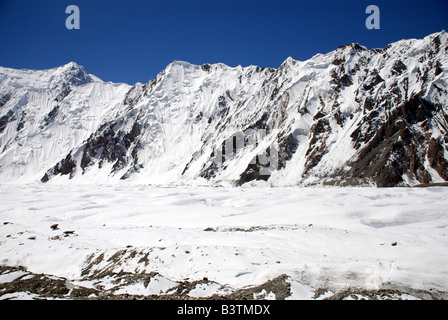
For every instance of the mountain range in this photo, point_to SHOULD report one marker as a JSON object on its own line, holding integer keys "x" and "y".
{"x": 353, "y": 116}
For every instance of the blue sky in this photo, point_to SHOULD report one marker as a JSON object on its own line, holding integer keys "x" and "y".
{"x": 133, "y": 40}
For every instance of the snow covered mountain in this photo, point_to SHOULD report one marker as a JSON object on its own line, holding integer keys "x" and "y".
{"x": 349, "y": 117}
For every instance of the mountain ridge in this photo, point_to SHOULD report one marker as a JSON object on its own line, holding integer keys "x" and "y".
{"x": 353, "y": 116}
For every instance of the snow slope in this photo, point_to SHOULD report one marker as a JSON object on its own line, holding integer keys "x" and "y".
{"x": 53, "y": 111}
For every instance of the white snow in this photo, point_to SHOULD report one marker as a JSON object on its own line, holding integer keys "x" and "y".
{"x": 157, "y": 285}
{"x": 11, "y": 276}
{"x": 19, "y": 296}
{"x": 203, "y": 290}
{"x": 236, "y": 237}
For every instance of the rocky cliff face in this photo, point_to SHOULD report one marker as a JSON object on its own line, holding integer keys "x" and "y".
{"x": 352, "y": 116}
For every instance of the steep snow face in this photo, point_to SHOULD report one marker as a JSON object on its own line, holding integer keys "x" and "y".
{"x": 46, "y": 114}
{"x": 352, "y": 116}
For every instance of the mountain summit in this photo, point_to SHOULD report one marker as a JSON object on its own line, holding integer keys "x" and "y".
{"x": 353, "y": 116}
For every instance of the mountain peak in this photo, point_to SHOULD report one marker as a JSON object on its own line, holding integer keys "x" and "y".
{"x": 180, "y": 63}
{"x": 353, "y": 46}
{"x": 71, "y": 64}
{"x": 74, "y": 74}
{"x": 290, "y": 61}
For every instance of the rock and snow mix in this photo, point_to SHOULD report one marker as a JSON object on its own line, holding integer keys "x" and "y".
{"x": 351, "y": 116}
{"x": 188, "y": 186}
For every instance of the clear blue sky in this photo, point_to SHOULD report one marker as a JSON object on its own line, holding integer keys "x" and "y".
{"x": 133, "y": 40}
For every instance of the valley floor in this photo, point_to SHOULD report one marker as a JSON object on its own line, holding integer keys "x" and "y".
{"x": 197, "y": 242}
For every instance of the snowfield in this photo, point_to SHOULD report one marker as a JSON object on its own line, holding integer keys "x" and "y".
{"x": 204, "y": 241}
